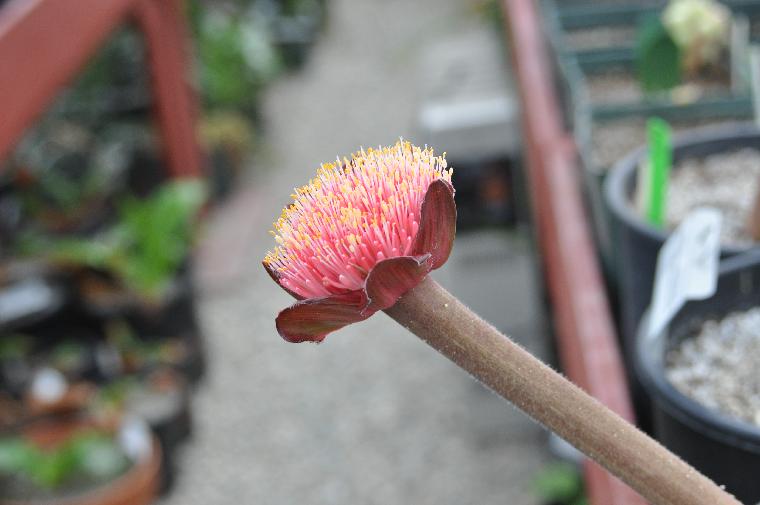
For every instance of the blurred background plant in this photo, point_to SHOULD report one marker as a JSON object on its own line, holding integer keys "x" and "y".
{"x": 560, "y": 484}
{"x": 701, "y": 29}
{"x": 90, "y": 219}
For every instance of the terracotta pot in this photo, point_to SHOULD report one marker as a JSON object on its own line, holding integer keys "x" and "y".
{"x": 138, "y": 486}
{"x": 75, "y": 399}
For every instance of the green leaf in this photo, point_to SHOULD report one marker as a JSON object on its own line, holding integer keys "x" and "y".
{"x": 14, "y": 346}
{"x": 559, "y": 482}
{"x": 97, "y": 455}
{"x": 158, "y": 234}
{"x": 658, "y": 59}
{"x": 88, "y": 453}
{"x": 145, "y": 249}
{"x": 16, "y": 455}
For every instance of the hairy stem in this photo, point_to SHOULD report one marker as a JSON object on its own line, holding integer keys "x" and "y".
{"x": 434, "y": 315}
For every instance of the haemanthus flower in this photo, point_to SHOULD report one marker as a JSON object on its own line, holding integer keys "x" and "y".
{"x": 362, "y": 233}
{"x": 362, "y": 237}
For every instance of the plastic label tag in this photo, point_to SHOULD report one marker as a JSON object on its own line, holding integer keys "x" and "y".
{"x": 25, "y": 298}
{"x": 135, "y": 438}
{"x": 687, "y": 266}
{"x": 48, "y": 385}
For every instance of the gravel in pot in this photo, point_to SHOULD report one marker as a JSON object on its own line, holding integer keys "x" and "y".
{"x": 637, "y": 242}
{"x": 701, "y": 374}
{"x": 620, "y": 85}
{"x": 717, "y": 366}
{"x": 600, "y": 37}
{"x": 726, "y": 181}
{"x": 611, "y": 140}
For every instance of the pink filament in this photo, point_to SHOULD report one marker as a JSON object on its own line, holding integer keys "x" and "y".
{"x": 352, "y": 215}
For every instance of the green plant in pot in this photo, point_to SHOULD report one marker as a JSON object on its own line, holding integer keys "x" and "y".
{"x": 137, "y": 260}
{"x": 228, "y": 139}
{"x": 560, "y": 484}
{"x": 15, "y": 363}
{"x": 71, "y": 358}
{"x": 161, "y": 398}
{"x": 62, "y": 183}
{"x": 716, "y": 167}
{"x": 138, "y": 354}
{"x": 237, "y": 58}
{"x": 83, "y": 461}
{"x": 687, "y": 39}
{"x": 75, "y": 461}
{"x": 701, "y": 29}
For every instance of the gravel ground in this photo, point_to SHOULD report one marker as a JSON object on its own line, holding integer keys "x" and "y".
{"x": 372, "y": 415}
{"x": 718, "y": 366}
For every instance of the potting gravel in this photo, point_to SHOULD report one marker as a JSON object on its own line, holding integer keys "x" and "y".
{"x": 726, "y": 181}
{"x": 620, "y": 85}
{"x": 611, "y": 140}
{"x": 601, "y": 37}
{"x": 718, "y": 366}
{"x": 613, "y": 86}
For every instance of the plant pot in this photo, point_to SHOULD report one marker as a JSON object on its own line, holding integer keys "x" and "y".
{"x": 588, "y": 118}
{"x": 591, "y": 136}
{"x": 29, "y": 300}
{"x": 165, "y": 404}
{"x": 137, "y": 486}
{"x": 725, "y": 449}
{"x": 175, "y": 318}
{"x": 637, "y": 243}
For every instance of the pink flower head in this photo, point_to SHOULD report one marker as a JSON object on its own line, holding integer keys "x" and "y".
{"x": 361, "y": 234}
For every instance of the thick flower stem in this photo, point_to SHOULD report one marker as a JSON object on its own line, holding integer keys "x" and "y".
{"x": 434, "y": 315}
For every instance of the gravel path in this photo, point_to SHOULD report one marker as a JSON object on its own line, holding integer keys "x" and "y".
{"x": 372, "y": 416}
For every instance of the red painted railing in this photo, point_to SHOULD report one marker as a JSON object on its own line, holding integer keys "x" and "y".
{"x": 585, "y": 332}
{"x": 45, "y": 43}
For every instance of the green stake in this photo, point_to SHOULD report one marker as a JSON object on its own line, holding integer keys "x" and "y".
{"x": 660, "y": 158}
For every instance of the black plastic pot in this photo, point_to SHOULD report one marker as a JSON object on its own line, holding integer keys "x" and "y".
{"x": 25, "y": 301}
{"x": 725, "y": 449}
{"x": 636, "y": 243}
{"x": 164, "y": 402}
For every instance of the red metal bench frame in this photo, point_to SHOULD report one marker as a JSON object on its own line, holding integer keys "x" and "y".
{"x": 45, "y": 43}
{"x": 585, "y": 332}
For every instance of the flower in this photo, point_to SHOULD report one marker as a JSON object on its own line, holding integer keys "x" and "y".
{"x": 362, "y": 233}
{"x": 701, "y": 28}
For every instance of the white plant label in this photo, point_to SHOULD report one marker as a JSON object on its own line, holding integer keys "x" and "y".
{"x": 687, "y": 266}
{"x": 135, "y": 439}
{"x": 48, "y": 385}
{"x": 23, "y": 298}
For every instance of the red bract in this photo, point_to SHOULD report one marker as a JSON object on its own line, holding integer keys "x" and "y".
{"x": 359, "y": 236}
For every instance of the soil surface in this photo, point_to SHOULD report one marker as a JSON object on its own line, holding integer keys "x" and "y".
{"x": 600, "y": 37}
{"x": 718, "y": 366}
{"x": 612, "y": 140}
{"x": 726, "y": 181}
{"x": 620, "y": 86}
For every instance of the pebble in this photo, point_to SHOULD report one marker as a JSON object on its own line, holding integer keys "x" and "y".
{"x": 726, "y": 181}
{"x": 718, "y": 366}
{"x": 599, "y": 37}
{"x": 620, "y": 85}
{"x": 611, "y": 140}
